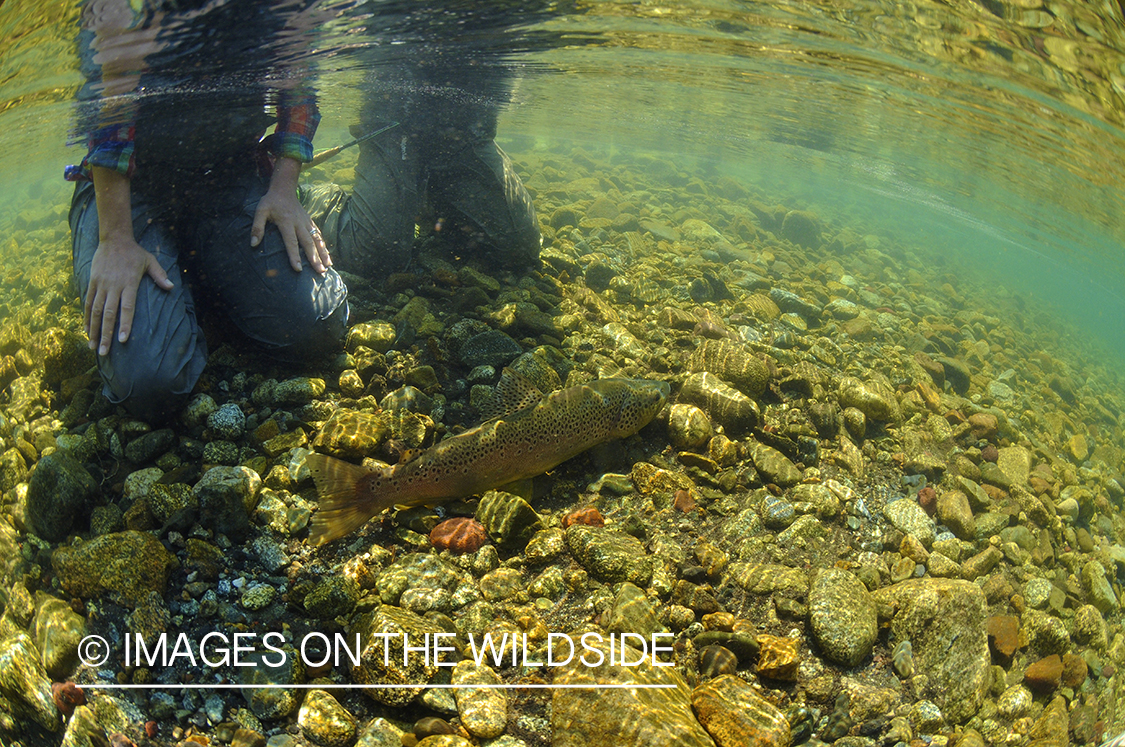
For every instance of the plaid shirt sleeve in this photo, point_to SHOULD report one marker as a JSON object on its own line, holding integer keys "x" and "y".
{"x": 297, "y": 120}
{"x": 110, "y": 147}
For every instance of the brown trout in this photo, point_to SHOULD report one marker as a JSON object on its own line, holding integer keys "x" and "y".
{"x": 529, "y": 434}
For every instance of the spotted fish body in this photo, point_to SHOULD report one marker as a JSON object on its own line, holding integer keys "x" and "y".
{"x": 533, "y": 434}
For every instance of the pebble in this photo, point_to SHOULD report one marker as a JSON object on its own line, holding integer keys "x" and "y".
{"x": 910, "y": 518}
{"x": 1044, "y": 675}
{"x": 843, "y": 616}
{"x": 688, "y": 426}
{"x": 1014, "y": 703}
{"x": 483, "y": 711}
{"x": 735, "y": 715}
{"x": 324, "y": 721}
{"x": 228, "y": 422}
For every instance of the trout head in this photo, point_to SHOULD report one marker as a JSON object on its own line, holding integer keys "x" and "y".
{"x": 637, "y": 402}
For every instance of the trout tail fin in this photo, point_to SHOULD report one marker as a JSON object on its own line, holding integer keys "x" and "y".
{"x": 342, "y": 509}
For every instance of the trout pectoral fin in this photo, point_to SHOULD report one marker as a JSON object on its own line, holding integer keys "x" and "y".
{"x": 342, "y": 510}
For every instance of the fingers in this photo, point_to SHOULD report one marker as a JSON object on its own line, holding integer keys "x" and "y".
{"x": 108, "y": 321}
{"x": 128, "y": 306}
{"x": 313, "y": 245}
{"x": 292, "y": 247}
{"x": 95, "y": 303}
{"x": 259, "y": 226}
{"x": 156, "y": 272}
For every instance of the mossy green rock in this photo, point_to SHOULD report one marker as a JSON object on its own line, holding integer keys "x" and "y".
{"x": 65, "y": 355}
{"x": 57, "y": 493}
{"x": 843, "y": 616}
{"x": 382, "y": 661}
{"x": 510, "y": 520}
{"x": 609, "y": 555}
{"x": 651, "y": 717}
{"x": 350, "y": 434}
{"x": 13, "y": 469}
{"x": 24, "y": 682}
{"x": 325, "y": 722}
{"x": 58, "y": 630}
{"x": 126, "y": 566}
{"x": 333, "y": 596}
{"x": 944, "y": 620}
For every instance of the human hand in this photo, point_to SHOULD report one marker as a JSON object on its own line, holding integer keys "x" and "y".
{"x": 281, "y": 206}
{"x": 116, "y": 271}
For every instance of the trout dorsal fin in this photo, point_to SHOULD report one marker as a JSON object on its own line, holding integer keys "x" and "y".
{"x": 342, "y": 510}
{"x": 512, "y": 393}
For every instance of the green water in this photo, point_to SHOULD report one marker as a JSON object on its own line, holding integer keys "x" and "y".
{"x": 990, "y": 133}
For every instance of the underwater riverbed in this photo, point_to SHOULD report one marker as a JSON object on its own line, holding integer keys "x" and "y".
{"x": 882, "y": 503}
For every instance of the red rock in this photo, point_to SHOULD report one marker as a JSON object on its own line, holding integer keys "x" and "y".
{"x": 587, "y": 515}
{"x": 459, "y": 535}
{"x": 927, "y": 499}
{"x": 1044, "y": 675}
{"x": 1004, "y": 635}
{"x": 990, "y": 453}
{"x": 983, "y": 425}
{"x": 684, "y": 501}
{"x": 67, "y": 697}
{"x": 1074, "y": 670}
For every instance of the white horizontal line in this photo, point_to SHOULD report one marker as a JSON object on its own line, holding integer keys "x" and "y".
{"x": 161, "y": 686}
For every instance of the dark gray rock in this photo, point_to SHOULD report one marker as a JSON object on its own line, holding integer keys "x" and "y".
{"x": 57, "y": 493}
{"x": 492, "y": 348}
{"x": 150, "y": 445}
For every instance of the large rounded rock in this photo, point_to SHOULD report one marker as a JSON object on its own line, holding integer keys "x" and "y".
{"x": 325, "y": 722}
{"x": 492, "y": 348}
{"x": 731, "y": 362}
{"x": 774, "y": 466}
{"x": 58, "y": 629}
{"x": 351, "y": 434}
{"x": 727, "y": 406}
{"x": 24, "y": 683}
{"x": 57, "y": 493}
{"x": 843, "y": 615}
{"x": 383, "y": 661}
{"x": 482, "y": 710}
{"x": 126, "y": 565}
{"x": 735, "y": 715}
{"x": 656, "y": 717}
{"x": 226, "y": 497}
{"x": 944, "y": 620}
{"x": 609, "y": 555}
{"x": 874, "y": 399}
{"x": 510, "y": 520}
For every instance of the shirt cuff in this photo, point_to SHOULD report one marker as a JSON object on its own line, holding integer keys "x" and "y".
{"x": 110, "y": 148}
